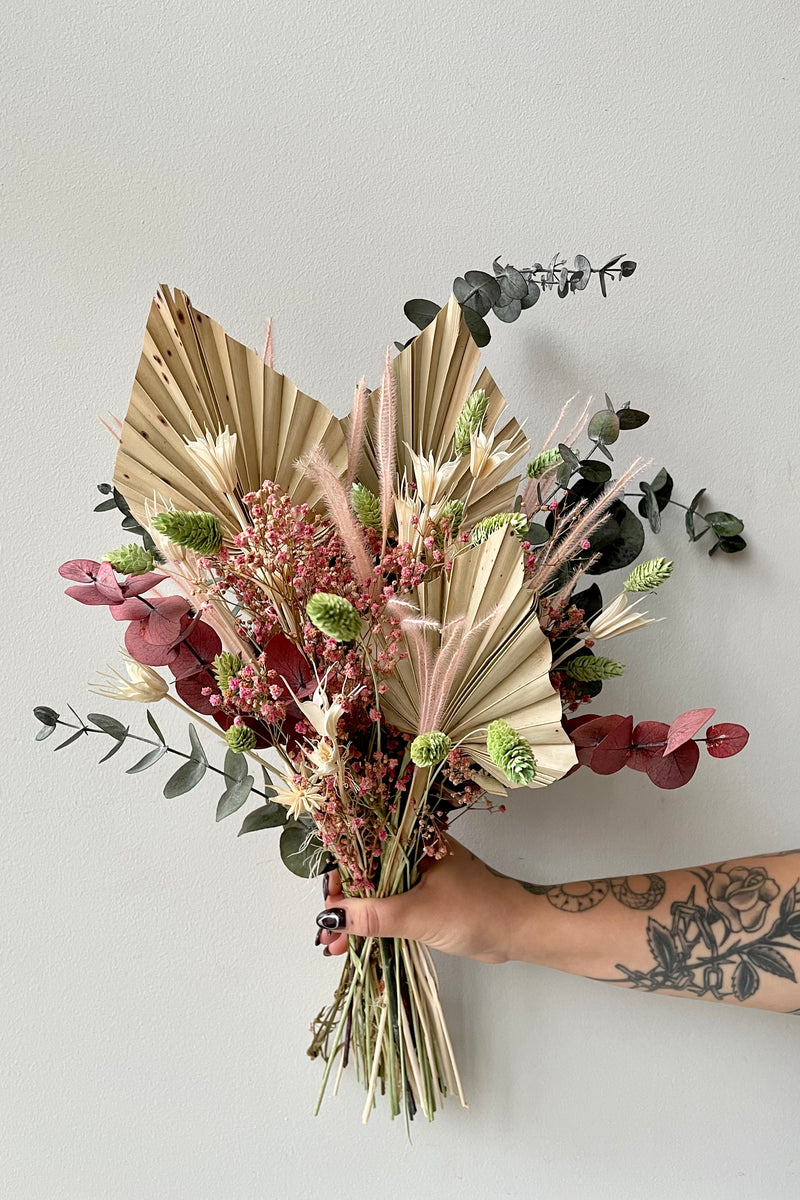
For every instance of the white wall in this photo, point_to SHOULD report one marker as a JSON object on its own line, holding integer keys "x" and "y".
{"x": 325, "y": 163}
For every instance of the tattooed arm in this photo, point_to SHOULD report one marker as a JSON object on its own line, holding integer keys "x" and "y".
{"x": 727, "y": 931}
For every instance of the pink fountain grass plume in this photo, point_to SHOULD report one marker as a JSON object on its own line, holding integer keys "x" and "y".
{"x": 115, "y": 428}
{"x": 557, "y": 425}
{"x": 578, "y": 427}
{"x": 386, "y": 445}
{"x": 580, "y": 523}
{"x": 557, "y": 601}
{"x": 358, "y": 421}
{"x": 318, "y": 466}
{"x": 267, "y": 354}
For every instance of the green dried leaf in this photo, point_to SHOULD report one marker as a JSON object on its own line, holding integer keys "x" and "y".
{"x": 149, "y": 759}
{"x": 690, "y": 515}
{"x": 45, "y": 732}
{"x": 151, "y": 721}
{"x": 569, "y": 456}
{"x": 632, "y": 418}
{"x": 109, "y": 725}
{"x": 69, "y": 740}
{"x": 595, "y": 472}
{"x": 269, "y": 816}
{"x": 117, "y": 746}
{"x": 185, "y": 778}
{"x": 302, "y": 851}
{"x": 731, "y": 545}
{"x": 48, "y": 716}
{"x": 537, "y": 535}
{"x": 650, "y": 506}
{"x": 420, "y": 312}
{"x": 235, "y": 766}
{"x": 604, "y": 427}
{"x": 234, "y": 796}
{"x": 198, "y": 753}
{"x": 724, "y": 524}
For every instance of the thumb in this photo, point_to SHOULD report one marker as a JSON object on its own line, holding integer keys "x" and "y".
{"x": 387, "y": 916}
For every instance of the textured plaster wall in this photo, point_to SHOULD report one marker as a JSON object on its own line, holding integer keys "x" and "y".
{"x": 324, "y": 163}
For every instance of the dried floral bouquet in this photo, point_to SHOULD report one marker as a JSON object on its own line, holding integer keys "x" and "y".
{"x": 378, "y": 604}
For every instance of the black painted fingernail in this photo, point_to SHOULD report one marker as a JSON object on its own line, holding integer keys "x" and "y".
{"x": 327, "y": 952}
{"x": 318, "y": 938}
{"x": 325, "y": 886}
{"x": 332, "y": 918}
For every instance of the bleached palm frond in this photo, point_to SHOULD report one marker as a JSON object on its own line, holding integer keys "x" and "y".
{"x": 505, "y": 674}
{"x": 192, "y": 375}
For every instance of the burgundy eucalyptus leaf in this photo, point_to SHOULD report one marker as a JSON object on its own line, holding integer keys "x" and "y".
{"x": 190, "y": 689}
{"x": 134, "y": 585}
{"x": 725, "y": 740}
{"x": 591, "y": 734}
{"x": 677, "y": 768}
{"x": 147, "y": 653}
{"x": 163, "y": 624}
{"x": 615, "y": 749}
{"x": 106, "y": 583}
{"x": 686, "y": 726}
{"x": 86, "y": 594}
{"x": 196, "y": 649}
{"x": 648, "y": 741}
{"x": 130, "y": 610}
{"x": 82, "y": 570}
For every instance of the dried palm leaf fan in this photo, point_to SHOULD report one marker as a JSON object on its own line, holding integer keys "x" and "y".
{"x": 192, "y": 377}
{"x": 433, "y": 376}
{"x": 500, "y": 670}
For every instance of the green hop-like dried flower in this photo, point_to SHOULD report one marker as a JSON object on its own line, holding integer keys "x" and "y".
{"x": 648, "y": 575}
{"x": 470, "y": 420}
{"x": 486, "y": 527}
{"x": 542, "y": 463}
{"x": 454, "y": 511}
{"x": 225, "y": 665}
{"x": 366, "y": 506}
{"x": 334, "y": 616}
{"x": 587, "y": 668}
{"x": 511, "y": 752}
{"x": 428, "y": 749}
{"x": 198, "y": 531}
{"x": 240, "y": 738}
{"x": 131, "y": 559}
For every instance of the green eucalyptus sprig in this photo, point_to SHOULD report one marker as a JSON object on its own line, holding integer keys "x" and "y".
{"x": 239, "y": 784}
{"x": 620, "y": 537}
{"x": 509, "y": 291}
{"x": 129, "y": 522}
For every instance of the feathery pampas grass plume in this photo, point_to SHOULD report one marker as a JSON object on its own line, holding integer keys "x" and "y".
{"x": 386, "y": 444}
{"x": 340, "y": 511}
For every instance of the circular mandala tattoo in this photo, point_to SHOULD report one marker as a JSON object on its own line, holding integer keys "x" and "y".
{"x": 641, "y": 900}
{"x": 577, "y": 897}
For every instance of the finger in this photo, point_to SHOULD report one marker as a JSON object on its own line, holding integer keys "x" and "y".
{"x": 337, "y": 943}
{"x": 389, "y": 916}
{"x": 331, "y": 883}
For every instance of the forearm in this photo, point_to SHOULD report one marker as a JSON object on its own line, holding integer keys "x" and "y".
{"x": 728, "y": 931}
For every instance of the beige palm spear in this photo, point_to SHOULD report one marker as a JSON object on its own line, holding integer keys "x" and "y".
{"x": 192, "y": 378}
{"x": 433, "y": 377}
{"x": 500, "y": 669}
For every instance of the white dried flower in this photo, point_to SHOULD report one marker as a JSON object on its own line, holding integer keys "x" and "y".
{"x": 142, "y": 684}
{"x": 484, "y": 456}
{"x": 619, "y": 617}
{"x": 216, "y": 455}
{"x": 433, "y": 479}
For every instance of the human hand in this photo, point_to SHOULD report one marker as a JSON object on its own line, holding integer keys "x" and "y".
{"x": 459, "y": 906}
